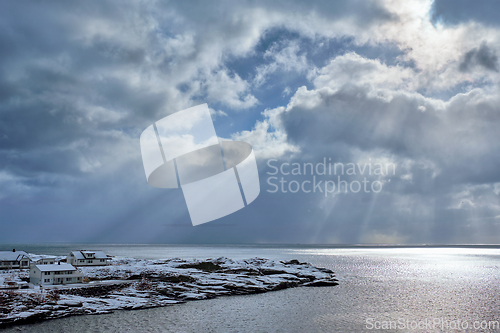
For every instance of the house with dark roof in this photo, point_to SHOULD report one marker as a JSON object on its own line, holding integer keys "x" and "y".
{"x": 87, "y": 258}
{"x": 14, "y": 259}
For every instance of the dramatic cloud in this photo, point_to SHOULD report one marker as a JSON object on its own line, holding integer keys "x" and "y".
{"x": 414, "y": 84}
{"x": 461, "y": 11}
{"x": 482, "y": 56}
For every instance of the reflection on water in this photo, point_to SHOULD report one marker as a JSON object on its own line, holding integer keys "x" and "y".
{"x": 384, "y": 284}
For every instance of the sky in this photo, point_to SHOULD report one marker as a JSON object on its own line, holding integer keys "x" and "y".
{"x": 414, "y": 84}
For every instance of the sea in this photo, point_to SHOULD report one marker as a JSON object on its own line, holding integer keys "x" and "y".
{"x": 382, "y": 289}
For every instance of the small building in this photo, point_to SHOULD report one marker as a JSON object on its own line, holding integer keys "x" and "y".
{"x": 43, "y": 260}
{"x": 87, "y": 258}
{"x": 55, "y": 274}
{"x": 14, "y": 259}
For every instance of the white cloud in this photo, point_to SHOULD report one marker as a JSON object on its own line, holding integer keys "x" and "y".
{"x": 351, "y": 68}
{"x": 229, "y": 90}
{"x": 435, "y": 49}
{"x": 267, "y": 137}
{"x": 284, "y": 59}
{"x": 217, "y": 113}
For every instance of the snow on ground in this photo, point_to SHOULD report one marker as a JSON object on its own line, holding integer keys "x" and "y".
{"x": 135, "y": 284}
{"x": 13, "y": 275}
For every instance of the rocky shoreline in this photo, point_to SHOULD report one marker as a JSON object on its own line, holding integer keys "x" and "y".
{"x": 140, "y": 284}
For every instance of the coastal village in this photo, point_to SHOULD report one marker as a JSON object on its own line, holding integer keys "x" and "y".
{"x": 49, "y": 270}
{"x": 35, "y": 287}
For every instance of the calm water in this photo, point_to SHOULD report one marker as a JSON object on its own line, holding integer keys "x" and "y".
{"x": 448, "y": 286}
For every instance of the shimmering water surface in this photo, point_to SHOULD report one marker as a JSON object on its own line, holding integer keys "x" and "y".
{"x": 445, "y": 286}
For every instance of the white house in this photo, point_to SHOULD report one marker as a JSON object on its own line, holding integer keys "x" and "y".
{"x": 87, "y": 258}
{"x": 14, "y": 259}
{"x": 55, "y": 274}
{"x": 41, "y": 259}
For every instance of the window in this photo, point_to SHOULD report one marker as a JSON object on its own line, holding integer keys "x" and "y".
{"x": 46, "y": 280}
{"x": 103, "y": 260}
{"x": 46, "y": 273}
{"x": 81, "y": 260}
{"x": 68, "y": 279}
{"x": 51, "y": 262}
{"x": 25, "y": 263}
{"x": 90, "y": 261}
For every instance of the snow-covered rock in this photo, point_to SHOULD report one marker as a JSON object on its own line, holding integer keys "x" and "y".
{"x": 135, "y": 284}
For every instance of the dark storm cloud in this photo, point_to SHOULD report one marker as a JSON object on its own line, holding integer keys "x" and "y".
{"x": 51, "y": 82}
{"x": 447, "y": 158}
{"x": 79, "y": 81}
{"x": 69, "y": 121}
{"x": 483, "y": 56}
{"x": 363, "y": 12}
{"x": 61, "y": 58}
{"x": 463, "y": 11}
{"x": 462, "y": 140}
